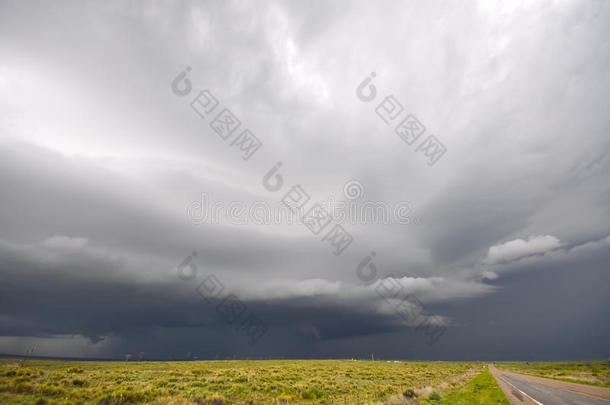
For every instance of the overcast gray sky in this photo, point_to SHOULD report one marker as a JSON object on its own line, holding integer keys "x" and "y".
{"x": 103, "y": 168}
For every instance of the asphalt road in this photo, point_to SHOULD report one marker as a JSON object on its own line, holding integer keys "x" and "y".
{"x": 546, "y": 395}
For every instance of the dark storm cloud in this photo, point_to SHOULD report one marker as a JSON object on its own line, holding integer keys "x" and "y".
{"x": 74, "y": 292}
{"x": 100, "y": 161}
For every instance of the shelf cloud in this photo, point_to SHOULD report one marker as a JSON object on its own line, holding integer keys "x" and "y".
{"x": 485, "y": 123}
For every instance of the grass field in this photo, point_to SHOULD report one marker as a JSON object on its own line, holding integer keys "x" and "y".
{"x": 589, "y": 372}
{"x": 240, "y": 382}
{"x": 481, "y": 390}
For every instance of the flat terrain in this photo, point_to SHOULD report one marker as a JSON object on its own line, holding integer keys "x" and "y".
{"x": 527, "y": 389}
{"x": 589, "y": 372}
{"x": 246, "y": 382}
{"x": 481, "y": 390}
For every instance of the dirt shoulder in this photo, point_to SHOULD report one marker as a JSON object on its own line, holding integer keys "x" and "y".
{"x": 590, "y": 390}
{"x": 514, "y": 396}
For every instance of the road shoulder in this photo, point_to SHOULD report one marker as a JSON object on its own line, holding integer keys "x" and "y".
{"x": 582, "y": 389}
{"x": 514, "y": 396}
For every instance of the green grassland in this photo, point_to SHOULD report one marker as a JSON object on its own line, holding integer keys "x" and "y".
{"x": 481, "y": 390}
{"x": 242, "y": 382}
{"x": 588, "y": 372}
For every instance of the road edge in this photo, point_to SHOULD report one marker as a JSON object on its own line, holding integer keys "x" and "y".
{"x": 581, "y": 389}
{"x": 514, "y": 395}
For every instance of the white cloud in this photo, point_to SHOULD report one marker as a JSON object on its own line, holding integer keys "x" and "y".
{"x": 432, "y": 289}
{"x": 490, "y": 275}
{"x": 519, "y": 248}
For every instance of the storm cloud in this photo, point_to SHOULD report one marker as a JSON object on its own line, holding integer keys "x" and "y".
{"x": 102, "y": 165}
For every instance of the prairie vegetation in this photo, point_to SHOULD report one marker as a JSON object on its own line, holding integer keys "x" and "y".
{"x": 584, "y": 372}
{"x": 232, "y": 382}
